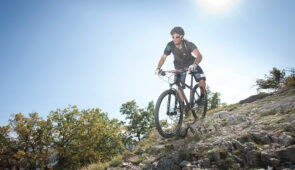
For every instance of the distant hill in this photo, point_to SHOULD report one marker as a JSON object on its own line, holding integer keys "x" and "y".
{"x": 258, "y": 132}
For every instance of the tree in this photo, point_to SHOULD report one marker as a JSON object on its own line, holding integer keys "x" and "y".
{"x": 278, "y": 79}
{"x": 290, "y": 80}
{"x": 140, "y": 121}
{"x": 7, "y": 148}
{"x": 215, "y": 100}
{"x": 33, "y": 141}
{"x": 99, "y": 137}
{"x": 69, "y": 138}
{"x": 65, "y": 130}
{"x": 82, "y": 137}
{"x": 273, "y": 81}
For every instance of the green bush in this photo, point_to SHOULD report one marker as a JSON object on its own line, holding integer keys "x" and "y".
{"x": 290, "y": 82}
{"x": 139, "y": 160}
{"x": 116, "y": 161}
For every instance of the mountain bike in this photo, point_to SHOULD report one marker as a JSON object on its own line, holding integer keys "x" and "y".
{"x": 169, "y": 109}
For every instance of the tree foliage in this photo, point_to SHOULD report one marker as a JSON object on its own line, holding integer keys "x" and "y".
{"x": 140, "y": 121}
{"x": 273, "y": 81}
{"x": 277, "y": 79}
{"x": 68, "y": 139}
{"x": 213, "y": 99}
{"x": 290, "y": 80}
{"x": 33, "y": 142}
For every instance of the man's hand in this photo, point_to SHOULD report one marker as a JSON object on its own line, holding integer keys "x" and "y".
{"x": 157, "y": 71}
{"x": 193, "y": 67}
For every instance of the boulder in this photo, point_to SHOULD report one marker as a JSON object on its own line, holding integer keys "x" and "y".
{"x": 156, "y": 149}
{"x": 287, "y": 154}
{"x": 253, "y": 158}
{"x": 185, "y": 164}
{"x": 285, "y": 139}
{"x": 254, "y": 98}
{"x": 170, "y": 162}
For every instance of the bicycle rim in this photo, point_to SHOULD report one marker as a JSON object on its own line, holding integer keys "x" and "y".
{"x": 199, "y": 110}
{"x": 168, "y": 114}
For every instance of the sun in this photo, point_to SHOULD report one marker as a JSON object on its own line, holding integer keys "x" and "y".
{"x": 217, "y": 6}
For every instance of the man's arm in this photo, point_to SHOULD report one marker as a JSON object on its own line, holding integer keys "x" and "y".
{"x": 162, "y": 60}
{"x": 197, "y": 53}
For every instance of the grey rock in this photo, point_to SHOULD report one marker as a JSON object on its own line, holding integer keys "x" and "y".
{"x": 215, "y": 156}
{"x": 149, "y": 167}
{"x": 183, "y": 131}
{"x": 238, "y": 145}
{"x": 279, "y": 105}
{"x": 125, "y": 164}
{"x": 238, "y": 159}
{"x": 261, "y": 136}
{"x": 285, "y": 139}
{"x": 276, "y": 156}
{"x": 211, "y": 128}
{"x": 185, "y": 164}
{"x": 265, "y": 157}
{"x": 157, "y": 148}
{"x": 274, "y": 139}
{"x": 223, "y": 114}
{"x": 270, "y": 168}
{"x": 253, "y": 158}
{"x": 287, "y": 153}
{"x": 274, "y": 162}
{"x": 171, "y": 161}
{"x": 235, "y": 119}
{"x": 149, "y": 159}
{"x": 254, "y": 98}
{"x": 191, "y": 132}
{"x": 205, "y": 163}
{"x": 250, "y": 147}
{"x": 178, "y": 143}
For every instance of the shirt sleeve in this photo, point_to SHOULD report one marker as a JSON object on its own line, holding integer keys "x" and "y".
{"x": 191, "y": 46}
{"x": 167, "y": 50}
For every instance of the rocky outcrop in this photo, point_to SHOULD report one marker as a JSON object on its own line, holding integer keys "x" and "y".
{"x": 254, "y": 98}
{"x": 259, "y": 134}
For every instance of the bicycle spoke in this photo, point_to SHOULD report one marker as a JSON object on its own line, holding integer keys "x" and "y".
{"x": 168, "y": 114}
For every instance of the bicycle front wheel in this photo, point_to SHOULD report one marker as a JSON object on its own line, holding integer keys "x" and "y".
{"x": 198, "y": 104}
{"x": 168, "y": 114}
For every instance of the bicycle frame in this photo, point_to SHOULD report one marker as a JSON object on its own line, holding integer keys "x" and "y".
{"x": 179, "y": 85}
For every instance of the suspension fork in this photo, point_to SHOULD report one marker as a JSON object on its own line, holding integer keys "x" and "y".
{"x": 192, "y": 90}
{"x": 168, "y": 104}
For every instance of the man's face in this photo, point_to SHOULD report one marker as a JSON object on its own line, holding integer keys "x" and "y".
{"x": 177, "y": 39}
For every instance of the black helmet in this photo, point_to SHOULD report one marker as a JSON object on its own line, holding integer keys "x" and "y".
{"x": 177, "y": 30}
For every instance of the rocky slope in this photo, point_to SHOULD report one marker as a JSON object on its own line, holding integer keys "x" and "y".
{"x": 258, "y": 134}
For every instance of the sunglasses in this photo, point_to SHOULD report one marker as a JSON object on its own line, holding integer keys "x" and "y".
{"x": 175, "y": 37}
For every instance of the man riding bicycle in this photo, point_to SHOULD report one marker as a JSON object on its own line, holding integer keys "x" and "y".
{"x": 183, "y": 58}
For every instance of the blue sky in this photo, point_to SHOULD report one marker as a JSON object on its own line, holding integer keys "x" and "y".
{"x": 101, "y": 54}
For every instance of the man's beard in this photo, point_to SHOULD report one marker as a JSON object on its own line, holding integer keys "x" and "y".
{"x": 177, "y": 43}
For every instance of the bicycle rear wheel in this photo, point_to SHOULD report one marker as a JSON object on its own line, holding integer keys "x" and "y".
{"x": 199, "y": 108}
{"x": 168, "y": 114}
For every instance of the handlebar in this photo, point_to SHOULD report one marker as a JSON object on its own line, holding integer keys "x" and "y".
{"x": 163, "y": 73}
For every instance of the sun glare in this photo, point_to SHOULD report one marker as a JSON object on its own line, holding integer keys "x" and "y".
{"x": 217, "y": 6}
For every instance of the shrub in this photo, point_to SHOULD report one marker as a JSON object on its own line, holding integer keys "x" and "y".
{"x": 116, "y": 161}
{"x": 139, "y": 160}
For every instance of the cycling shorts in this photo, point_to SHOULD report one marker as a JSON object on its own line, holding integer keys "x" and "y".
{"x": 198, "y": 75}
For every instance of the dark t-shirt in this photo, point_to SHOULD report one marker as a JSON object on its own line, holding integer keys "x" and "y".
{"x": 182, "y": 57}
